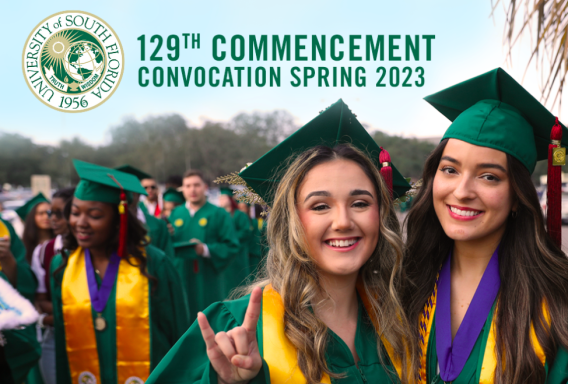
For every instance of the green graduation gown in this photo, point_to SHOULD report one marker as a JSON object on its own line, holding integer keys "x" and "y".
{"x": 257, "y": 245}
{"x": 238, "y": 269}
{"x": 20, "y": 354}
{"x": 187, "y": 362}
{"x": 201, "y": 276}
{"x": 169, "y": 318}
{"x": 557, "y": 371}
{"x": 26, "y": 282}
{"x": 159, "y": 235}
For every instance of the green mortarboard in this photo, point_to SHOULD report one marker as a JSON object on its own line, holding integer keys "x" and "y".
{"x": 104, "y": 184}
{"x": 25, "y": 209}
{"x": 336, "y": 125}
{"x": 141, "y": 175}
{"x": 493, "y": 110}
{"x": 226, "y": 191}
{"x": 174, "y": 196}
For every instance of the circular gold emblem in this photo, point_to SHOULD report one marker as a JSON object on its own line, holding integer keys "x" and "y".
{"x": 100, "y": 323}
{"x": 73, "y": 61}
{"x": 178, "y": 222}
{"x": 87, "y": 378}
{"x": 559, "y": 156}
{"x": 203, "y": 221}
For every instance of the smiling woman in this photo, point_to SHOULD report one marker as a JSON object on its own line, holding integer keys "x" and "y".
{"x": 325, "y": 307}
{"x": 489, "y": 302}
{"x": 117, "y": 302}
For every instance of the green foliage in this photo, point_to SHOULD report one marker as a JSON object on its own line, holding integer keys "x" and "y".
{"x": 19, "y": 158}
{"x": 165, "y": 145}
{"x": 160, "y": 145}
{"x": 408, "y": 155}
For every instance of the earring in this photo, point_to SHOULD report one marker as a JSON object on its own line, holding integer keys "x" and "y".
{"x": 514, "y": 214}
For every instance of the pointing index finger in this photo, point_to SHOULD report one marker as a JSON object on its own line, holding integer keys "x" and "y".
{"x": 206, "y": 331}
{"x": 253, "y": 310}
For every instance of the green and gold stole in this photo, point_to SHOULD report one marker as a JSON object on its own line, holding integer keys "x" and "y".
{"x": 4, "y": 232}
{"x": 280, "y": 353}
{"x": 132, "y": 323}
{"x": 489, "y": 364}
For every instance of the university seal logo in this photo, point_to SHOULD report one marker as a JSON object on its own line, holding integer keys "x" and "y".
{"x": 73, "y": 61}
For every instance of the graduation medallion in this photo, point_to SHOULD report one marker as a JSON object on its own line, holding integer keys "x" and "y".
{"x": 100, "y": 323}
{"x": 99, "y": 297}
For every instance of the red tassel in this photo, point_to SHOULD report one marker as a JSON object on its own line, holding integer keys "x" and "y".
{"x": 554, "y": 186}
{"x": 386, "y": 170}
{"x": 195, "y": 266}
{"x": 122, "y": 210}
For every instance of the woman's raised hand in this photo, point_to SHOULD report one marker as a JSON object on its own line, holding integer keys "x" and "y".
{"x": 234, "y": 354}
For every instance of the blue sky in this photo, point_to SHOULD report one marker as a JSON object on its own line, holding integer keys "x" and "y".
{"x": 468, "y": 42}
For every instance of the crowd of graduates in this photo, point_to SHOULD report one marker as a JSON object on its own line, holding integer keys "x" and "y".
{"x": 134, "y": 287}
{"x": 190, "y": 245}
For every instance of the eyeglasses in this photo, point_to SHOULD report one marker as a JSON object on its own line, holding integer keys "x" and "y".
{"x": 57, "y": 214}
{"x": 151, "y": 187}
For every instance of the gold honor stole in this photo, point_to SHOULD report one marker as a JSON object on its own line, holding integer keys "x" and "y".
{"x": 280, "y": 353}
{"x": 132, "y": 323}
{"x": 489, "y": 364}
{"x": 3, "y": 233}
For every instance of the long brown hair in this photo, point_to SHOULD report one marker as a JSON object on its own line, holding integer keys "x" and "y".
{"x": 293, "y": 273}
{"x": 533, "y": 271}
{"x": 135, "y": 241}
{"x": 31, "y": 235}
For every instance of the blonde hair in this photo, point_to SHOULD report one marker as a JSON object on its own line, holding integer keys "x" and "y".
{"x": 293, "y": 273}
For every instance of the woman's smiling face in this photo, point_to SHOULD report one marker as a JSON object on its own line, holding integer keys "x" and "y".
{"x": 91, "y": 223}
{"x": 472, "y": 193}
{"x": 338, "y": 207}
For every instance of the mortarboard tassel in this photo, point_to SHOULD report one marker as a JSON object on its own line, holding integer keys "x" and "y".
{"x": 122, "y": 211}
{"x": 554, "y": 185}
{"x": 122, "y": 208}
{"x": 386, "y": 169}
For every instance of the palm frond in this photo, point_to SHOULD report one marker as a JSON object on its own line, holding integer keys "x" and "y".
{"x": 549, "y": 48}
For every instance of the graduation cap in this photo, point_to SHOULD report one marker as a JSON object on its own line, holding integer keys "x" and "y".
{"x": 141, "y": 175}
{"x": 493, "y": 110}
{"x": 226, "y": 191}
{"x": 25, "y": 209}
{"x": 108, "y": 185}
{"x": 104, "y": 184}
{"x": 174, "y": 196}
{"x": 336, "y": 125}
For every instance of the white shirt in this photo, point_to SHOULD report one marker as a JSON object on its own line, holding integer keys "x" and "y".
{"x": 192, "y": 213}
{"x": 151, "y": 207}
{"x": 37, "y": 263}
{"x": 140, "y": 215}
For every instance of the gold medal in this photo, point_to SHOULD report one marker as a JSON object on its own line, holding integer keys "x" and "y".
{"x": 100, "y": 323}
